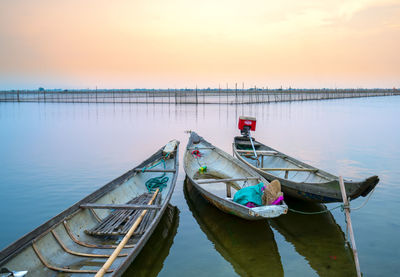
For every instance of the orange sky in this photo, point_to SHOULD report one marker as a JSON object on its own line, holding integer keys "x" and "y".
{"x": 162, "y": 43}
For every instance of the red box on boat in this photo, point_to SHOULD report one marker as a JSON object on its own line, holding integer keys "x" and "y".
{"x": 247, "y": 121}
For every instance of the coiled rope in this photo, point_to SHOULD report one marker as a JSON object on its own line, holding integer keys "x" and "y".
{"x": 159, "y": 182}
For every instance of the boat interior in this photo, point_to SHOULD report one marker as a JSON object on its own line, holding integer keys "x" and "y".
{"x": 220, "y": 174}
{"x": 81, "y": 239}
{"x": 278, "y": 164}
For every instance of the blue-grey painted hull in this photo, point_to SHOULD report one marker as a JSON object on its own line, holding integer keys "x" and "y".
{"x": 227, "y": 167}
{"x": 323, "y": 188}
{"x": 21, "y": 254}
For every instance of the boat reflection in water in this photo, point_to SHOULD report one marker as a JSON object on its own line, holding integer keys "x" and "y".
{"x": 150, "y": 260}
{"x": 318, "y": 238}
{"x": 248, "y": 245}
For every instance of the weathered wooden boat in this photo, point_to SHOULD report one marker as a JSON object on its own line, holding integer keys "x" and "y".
{"x": 84, "y": 239}
{"x": 249, "y": 246}
{"x": 214, "y": 172}
{"x": 298, "y": 179}
{"x": 317, "y": 238}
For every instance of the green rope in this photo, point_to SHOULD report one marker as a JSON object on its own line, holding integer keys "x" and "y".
{"x": 159, "y": 182}
{"x": 320, "y": 212}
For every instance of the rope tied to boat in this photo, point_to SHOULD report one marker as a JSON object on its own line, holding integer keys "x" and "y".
{"x": 159, "y": 182}
{"x": 341, "y": 206}
{"x": 319, "y": 212}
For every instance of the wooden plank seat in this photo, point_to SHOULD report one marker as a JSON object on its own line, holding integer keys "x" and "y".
{"x": 155, "y": 170}
{"x": 210, "y": 181}
{"x": 290, "y": 169}
{"x": 259, "y": 152}
{"x": 119, "y": 221}
{"x": 120, "y": 206}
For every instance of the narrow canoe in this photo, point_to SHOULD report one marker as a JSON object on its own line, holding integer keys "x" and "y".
{"x": 80, "y": 239}
{"x": 222, "y": 174}
{"x": 249, "y": 246}
{"x": 298, "y": 179}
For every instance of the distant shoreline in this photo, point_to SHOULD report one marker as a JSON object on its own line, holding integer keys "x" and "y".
{"x": 188, "y": 96}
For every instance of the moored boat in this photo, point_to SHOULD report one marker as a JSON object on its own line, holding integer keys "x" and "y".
{"x": 218, "y": 176}
{"x": 81, "y": 239}
{"x": 298, "y": 179}
{"x": 249, "y": 246}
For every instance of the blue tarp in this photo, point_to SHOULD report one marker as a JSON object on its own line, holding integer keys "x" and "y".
{"x": 249, "y": 194}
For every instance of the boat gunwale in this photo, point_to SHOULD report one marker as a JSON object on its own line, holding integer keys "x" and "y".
{"x": 237, "y": 162}
{"x": 294, "y": 185}
{"x": 295, "y": 161}
{"x": 362, "y": 186}
{"x": 10, "y": 251}
{"x": 145, "y": 237}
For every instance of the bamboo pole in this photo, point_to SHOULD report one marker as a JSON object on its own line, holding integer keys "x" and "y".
{"x": 349, "y": 225}
{"x": 121, "y": 245}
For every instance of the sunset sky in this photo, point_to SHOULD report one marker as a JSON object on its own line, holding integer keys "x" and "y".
{"x": 184, "y": 43}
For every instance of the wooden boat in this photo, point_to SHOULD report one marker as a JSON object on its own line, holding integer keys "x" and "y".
{"x": 82, "y": 238}
{"x": 317, "y": 238}
{"x": 298, "y": 179}
{"x": 222, "y": 173}
{"x": 249, "y": 246}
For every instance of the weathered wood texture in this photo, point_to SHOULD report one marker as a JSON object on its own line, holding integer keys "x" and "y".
{"x": 120, "y": 206}
{"x": 349, "y": 225}
{"x": 205, "y": 181}
{"x": 135, "y": 225}
{"x": 118, "y": 222}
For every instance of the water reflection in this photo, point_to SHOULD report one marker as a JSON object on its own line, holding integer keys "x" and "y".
{"x": 150, "y": 260}
{"x": 249, "y": 246}
{"x": 55, "y": 154}
{"x": 318, "y": 238}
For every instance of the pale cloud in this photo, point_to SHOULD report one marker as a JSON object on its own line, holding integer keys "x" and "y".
{"x": 348, "y": 8}
{"x": 303, "y": 43}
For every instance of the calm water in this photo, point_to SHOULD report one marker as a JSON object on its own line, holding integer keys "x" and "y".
{"x": 52, "y": 155}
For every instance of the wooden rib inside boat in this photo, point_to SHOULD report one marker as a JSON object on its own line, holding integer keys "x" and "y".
{"x": 79, "y": 240}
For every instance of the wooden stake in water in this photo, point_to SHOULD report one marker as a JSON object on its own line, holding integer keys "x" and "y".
{"x": 349, "y": 226}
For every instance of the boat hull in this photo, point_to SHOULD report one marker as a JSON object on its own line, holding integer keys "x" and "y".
{"x": 221, "y": 165}
{"x": 249, "y": 246}
{"x": 61, "y": 244}
{"x": 326, "y": 190}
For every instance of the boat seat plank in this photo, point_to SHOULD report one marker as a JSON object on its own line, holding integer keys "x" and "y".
{"x": 120, "y": 206}
{"x": 201, "y": 148}
{"x": 155, "y": 170}
{"x": 259, "y": 152}
{"x": 210, "y": 181}
{"x": 290, "y": 169}
{"x": 119, "y": 221}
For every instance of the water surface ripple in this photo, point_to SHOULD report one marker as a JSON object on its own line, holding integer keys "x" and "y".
{"x": 54, "y": 154}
